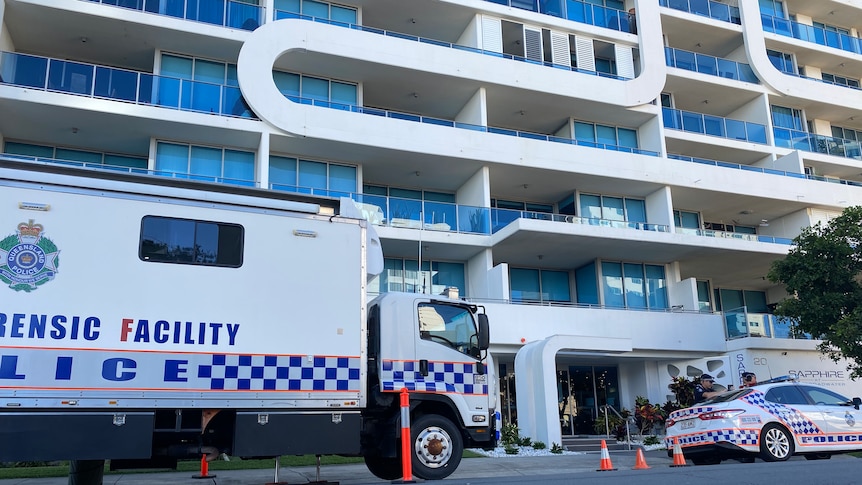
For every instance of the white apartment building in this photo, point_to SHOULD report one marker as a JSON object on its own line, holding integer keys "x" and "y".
{"x": 612, "y": 179}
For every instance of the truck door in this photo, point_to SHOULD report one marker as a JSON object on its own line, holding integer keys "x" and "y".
{"x": 449, "y": 353}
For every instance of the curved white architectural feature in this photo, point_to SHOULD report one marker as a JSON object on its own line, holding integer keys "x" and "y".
{"x": 755, "y": 49}
{"x": 537, "y": 392}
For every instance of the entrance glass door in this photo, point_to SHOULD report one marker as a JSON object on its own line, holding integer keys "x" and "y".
{"x": 582, "y": 390}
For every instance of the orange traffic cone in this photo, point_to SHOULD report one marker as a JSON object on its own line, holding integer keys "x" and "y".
{"x": 640, "y": 462}
{"x": 205, "y": 473}
{"x": 606, "y": 465}
{"x": 678, "y": 458}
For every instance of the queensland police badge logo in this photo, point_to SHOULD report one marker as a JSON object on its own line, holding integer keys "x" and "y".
{"x": 28, "y": 259}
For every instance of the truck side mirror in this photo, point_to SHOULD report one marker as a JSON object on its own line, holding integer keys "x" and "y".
{"x": 484, "y": 332}
{"x": 857, "y": 402}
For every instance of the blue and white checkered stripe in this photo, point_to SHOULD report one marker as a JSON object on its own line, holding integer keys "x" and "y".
{"x": 456, "y": 377}
{"x": 682, "y": 413}
{"x": 281, "y": 373}
{"x": 797, "y": 421}
{"x": 739, "y": 437}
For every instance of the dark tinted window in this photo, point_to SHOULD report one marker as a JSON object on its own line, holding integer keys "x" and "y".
{"x": 184, "y": 241}
{"x": 789, "y": 394}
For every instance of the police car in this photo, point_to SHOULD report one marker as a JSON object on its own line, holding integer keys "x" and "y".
{"x": 773, "y": 420}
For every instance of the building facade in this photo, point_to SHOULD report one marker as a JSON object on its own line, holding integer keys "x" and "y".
{"x": 612, "y": 179}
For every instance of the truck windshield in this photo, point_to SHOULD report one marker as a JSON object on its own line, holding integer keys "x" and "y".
{"x": 449, "y": 325}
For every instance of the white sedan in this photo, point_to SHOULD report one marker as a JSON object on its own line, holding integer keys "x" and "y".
{"x": 773, "y": 420}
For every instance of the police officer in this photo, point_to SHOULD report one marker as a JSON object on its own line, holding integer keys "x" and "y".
{"x": 703, "y": 390}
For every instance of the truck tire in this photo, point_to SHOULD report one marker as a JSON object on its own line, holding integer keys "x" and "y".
{"x": 384, "y": 468}
{"x": 437, "y": 447}
{"x": 86, "y": 472}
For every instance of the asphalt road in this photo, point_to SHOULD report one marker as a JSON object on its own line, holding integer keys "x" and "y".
{"x": 552, "y": 470}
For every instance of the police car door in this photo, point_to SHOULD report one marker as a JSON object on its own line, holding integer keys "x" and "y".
{"x": 843, "y": 420}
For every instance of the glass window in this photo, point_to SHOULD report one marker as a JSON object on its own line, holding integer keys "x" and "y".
{"x": 689, "y": 220}
{"x": 555, "y": 286}
{"x": 787, "y": 118}
{"x": 312, "y": 174}
{"x": 525, "y": 284}
{"x": 315, "y": 8}
{"x": 343, "y": 14}
{"x": 731, "y": 299}
{"x": 282, "y": 171}
{"x": 209, "y": 71}
{"x": 635, "y": 210}
{"x": 315, "y": 88}
{"x": 172, "y": 158}
{"x": 29, "y": 150}
{"x": 656, "y": 286}
{"x": 238, "y": 165}
{"x": 183, "y": 241}
{"x": 591, "y": 206}
{"x": 586, "y": 284}
{"x": 446, "y": 275}
{"x": 612, "y": 208}
{"x": 343, "y": 93}
{"x": 448, "y": 325}
{"x": 627, "y": 137}
{"x": 612, "y": 284}
{"x": 205, "y": 161}
{"x": 634, "y": 285}
{"x": 755, "y": 301}
{"x": 789, "y": 394}
{"x": 585, "y": 132}
{"x": 606, "y": 135}
{"x": 179, "y": 67}
{"x": 78, "y": 156}
{"x": 287, "y": 83}
{"x": 342, "y": 178}
{"x": 703, "y": 300}
{"x": 824, "y": 397}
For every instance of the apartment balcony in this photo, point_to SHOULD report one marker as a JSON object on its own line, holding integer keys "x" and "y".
{"x": 706, "y": 64}
{"x": 739, "y": 323}
{"x": 810, "y": 142}
{"x": 734, "y": 235}
{"x": 810, "y": 33}
{"x": 501, "y": 218}
{"x": 576, "y": 11}
{"x": 282, "y": 14}
{"x": 714, "y": 125}
{"x": 102, "y": 82}
{"x": 226, "y": 13}
{"x": 706, "y": 8}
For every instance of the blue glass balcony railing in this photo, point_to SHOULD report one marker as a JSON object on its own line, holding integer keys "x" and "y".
{"x": 809, "y": 142}
{"x": 713, "y": 66}
{"x": 809, "y": 33}
{"x": 133, "y": 170}
{"x": 501, "y": 218}
{"x": 226, "y": 13}
{"x": 713, "y": 125}
{"x": 740, "y": 323}
{"x": 583, "y": 12}
{"x": 734, "y": 235}
{"x": 706, "y": 8}
{"x": 102, "y": 82}
{"x": 281, "y": 14}
{"x": 424, "y": 214}
{"x": 771, "y": 171}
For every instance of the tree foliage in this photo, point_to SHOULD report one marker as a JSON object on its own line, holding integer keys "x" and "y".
{"x": 822, "y": 275}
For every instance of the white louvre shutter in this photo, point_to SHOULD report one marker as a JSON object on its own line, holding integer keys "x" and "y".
{"x": 625, "y": 61}
{"x": 560, "y": 49}
{"x": 492, "y": 34}
{"x": 533, "y": 44}
{"x": 584, "y": 53}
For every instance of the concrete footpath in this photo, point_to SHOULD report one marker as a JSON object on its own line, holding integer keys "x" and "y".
{"x": 357, "y": 474}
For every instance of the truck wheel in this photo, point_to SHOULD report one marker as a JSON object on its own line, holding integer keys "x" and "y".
{"x": 776, "y": 444}
{"x": 437, "y": 447}
{"x": 384, "y": 468}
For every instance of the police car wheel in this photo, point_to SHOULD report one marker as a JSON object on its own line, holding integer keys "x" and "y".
{"x": 776, "y": 444}
{"x": 437, "y": 447}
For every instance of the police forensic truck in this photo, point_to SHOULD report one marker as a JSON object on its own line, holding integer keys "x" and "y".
{"x": 145, "y": 320}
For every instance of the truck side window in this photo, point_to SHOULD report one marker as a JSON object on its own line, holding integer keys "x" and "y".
{"x": 449, "y": 325}
{"x": 185, "y": 241}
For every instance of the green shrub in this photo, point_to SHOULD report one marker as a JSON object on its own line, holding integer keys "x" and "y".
{"x": 525, "y": 441}
{"x": 511, "y": 449}
{"x": 509, "y": 434}
{"x": 538, "y": 445}
{"x": 652, "y": 440}
{"x": 556, "y": 449}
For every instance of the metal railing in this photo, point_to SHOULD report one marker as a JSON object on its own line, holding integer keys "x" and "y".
{"x": 630, "y": 420}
